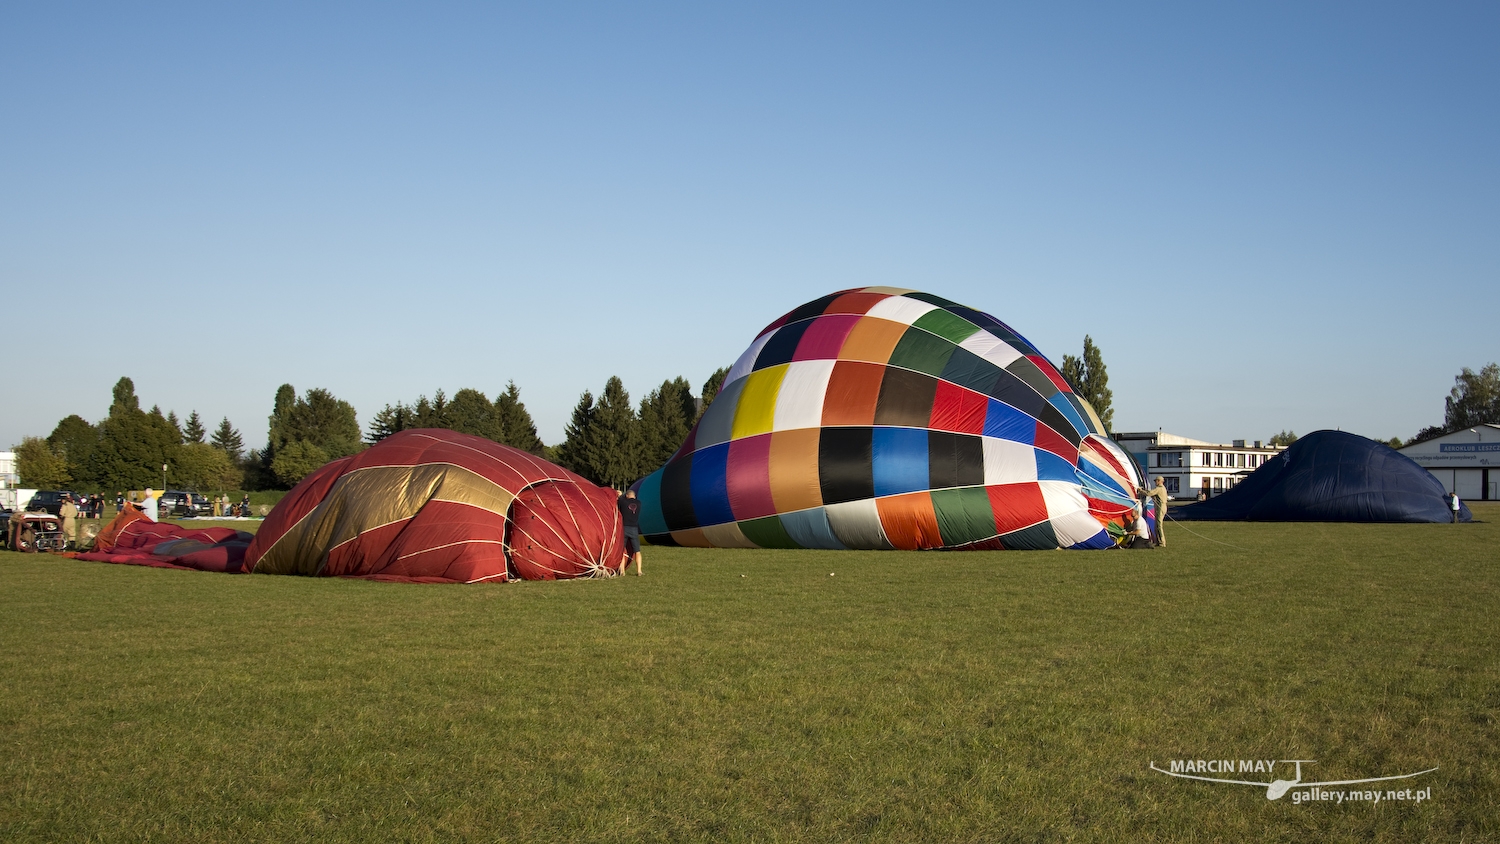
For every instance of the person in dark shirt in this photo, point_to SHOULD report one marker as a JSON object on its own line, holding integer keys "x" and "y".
{"x": 630, "y": 514}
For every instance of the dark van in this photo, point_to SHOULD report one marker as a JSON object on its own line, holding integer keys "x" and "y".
{"x": 49, "y": 501}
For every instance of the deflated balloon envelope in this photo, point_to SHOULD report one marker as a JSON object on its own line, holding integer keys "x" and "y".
{"x": 439, "y": 506}
{"x": 884, "y": 418}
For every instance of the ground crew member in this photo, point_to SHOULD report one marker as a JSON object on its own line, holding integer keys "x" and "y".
{"x": 630, "y": 515}
{"x": 68, "y": 512}
{"x": 1159, "y": 492}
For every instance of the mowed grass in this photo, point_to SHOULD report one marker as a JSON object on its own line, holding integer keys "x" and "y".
{"x": 750, "y": 696}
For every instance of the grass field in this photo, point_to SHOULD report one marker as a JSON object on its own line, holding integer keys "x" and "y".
{"x": 751, "y": 696}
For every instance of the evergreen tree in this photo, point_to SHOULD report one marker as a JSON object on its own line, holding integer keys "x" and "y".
{"x": 666, "y": 417}
{"x": 575, "y": 451}
{"x": 193, "y": 431}
{"x": 1090, "y": 381}
{"x": 430, "y": 414}
{"x": 614, "y": 438}
{"x": 389, "y": 420}
{"x": 513, "y": 422}
{"x": 40, "y": 465}
{"x": 228, "y": 440}
{"x": 172, "y": 420}
{"x": 1474, "y": 400}
{"x": 75, "y": 439}
{"x": 711, "y": 388}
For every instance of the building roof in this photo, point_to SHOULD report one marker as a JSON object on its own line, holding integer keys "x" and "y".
{"x": 1436, "y": 437}
{"x": 1165, "y": 440}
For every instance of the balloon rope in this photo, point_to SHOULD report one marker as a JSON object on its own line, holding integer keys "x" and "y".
{"x": 583, "y": 540}
{"x": 1201, "y": 536}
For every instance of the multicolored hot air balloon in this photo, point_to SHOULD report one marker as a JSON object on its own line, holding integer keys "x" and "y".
{"x": 884, "y": 418}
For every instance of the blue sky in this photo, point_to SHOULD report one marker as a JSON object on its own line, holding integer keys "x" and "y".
{"x": 1267, "y": 216}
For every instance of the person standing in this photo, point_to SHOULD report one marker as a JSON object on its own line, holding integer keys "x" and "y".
{"x": 630, "y": 515}
{"x": 148, "y": 505}
{"x": 245, "y": 506}
{"x": 1158, "y": 493}
{"x": 68, "y": 512}
{"x": 119, "y": 503}
{"x": 1455, "y": 506}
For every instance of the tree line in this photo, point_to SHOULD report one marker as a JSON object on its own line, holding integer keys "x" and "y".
{"x": 613, "y": 443}
{"x": 608, "y": 441}
{"x": 128, "y": 448}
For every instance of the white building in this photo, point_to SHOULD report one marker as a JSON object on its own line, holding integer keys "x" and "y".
{"x": 1466, "y": 461}
{"x": 9, "y": 480}
{"x": 1190, "y": 468}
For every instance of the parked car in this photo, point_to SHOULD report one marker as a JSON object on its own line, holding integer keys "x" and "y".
{"x": 176, "y": 502}
{"x": 49, "y": 501}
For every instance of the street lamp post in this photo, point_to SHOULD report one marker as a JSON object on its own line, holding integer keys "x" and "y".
{"x": 164, "y": 476}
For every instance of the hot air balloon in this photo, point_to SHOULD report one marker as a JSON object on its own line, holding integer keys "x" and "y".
{"x": 422, "y": 505}
{"x": 886, "y": 418}
{"x": 1333, "y": 476}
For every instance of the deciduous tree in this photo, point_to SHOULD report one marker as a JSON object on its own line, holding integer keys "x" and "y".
{"x": 324, "y": 424}
{"x": 1474, "y": 399}
{"x": 75, "y": 439}
{"x": 41, "y": 466}
{"x": 471, "y": 412}
{"x": 296, "y": 460}
{"x": 202, "y": 467}
{"x": 133, "y": 444}
{"x": 1090, "y": 381}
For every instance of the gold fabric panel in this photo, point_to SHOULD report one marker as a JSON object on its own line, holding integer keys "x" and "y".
{"x": 370, "y": 498}
{"x": 727, "y": 535}
{"x": 691, "y": 538}
{"x": 872, "y": 339}
{"x": 794, "y": 470}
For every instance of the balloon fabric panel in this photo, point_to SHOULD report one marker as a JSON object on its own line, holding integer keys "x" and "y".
{"x": 853, "y": 392}
{"x": 889, "y": 418}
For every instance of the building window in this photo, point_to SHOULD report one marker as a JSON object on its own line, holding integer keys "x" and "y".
{"x": 1218, "y": 458}
{"x": 1171, "y": 484}
{"x": 1169, "y": 458}
{"x": 1242, "y": 460}
{"x": 1218, "y": 484}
